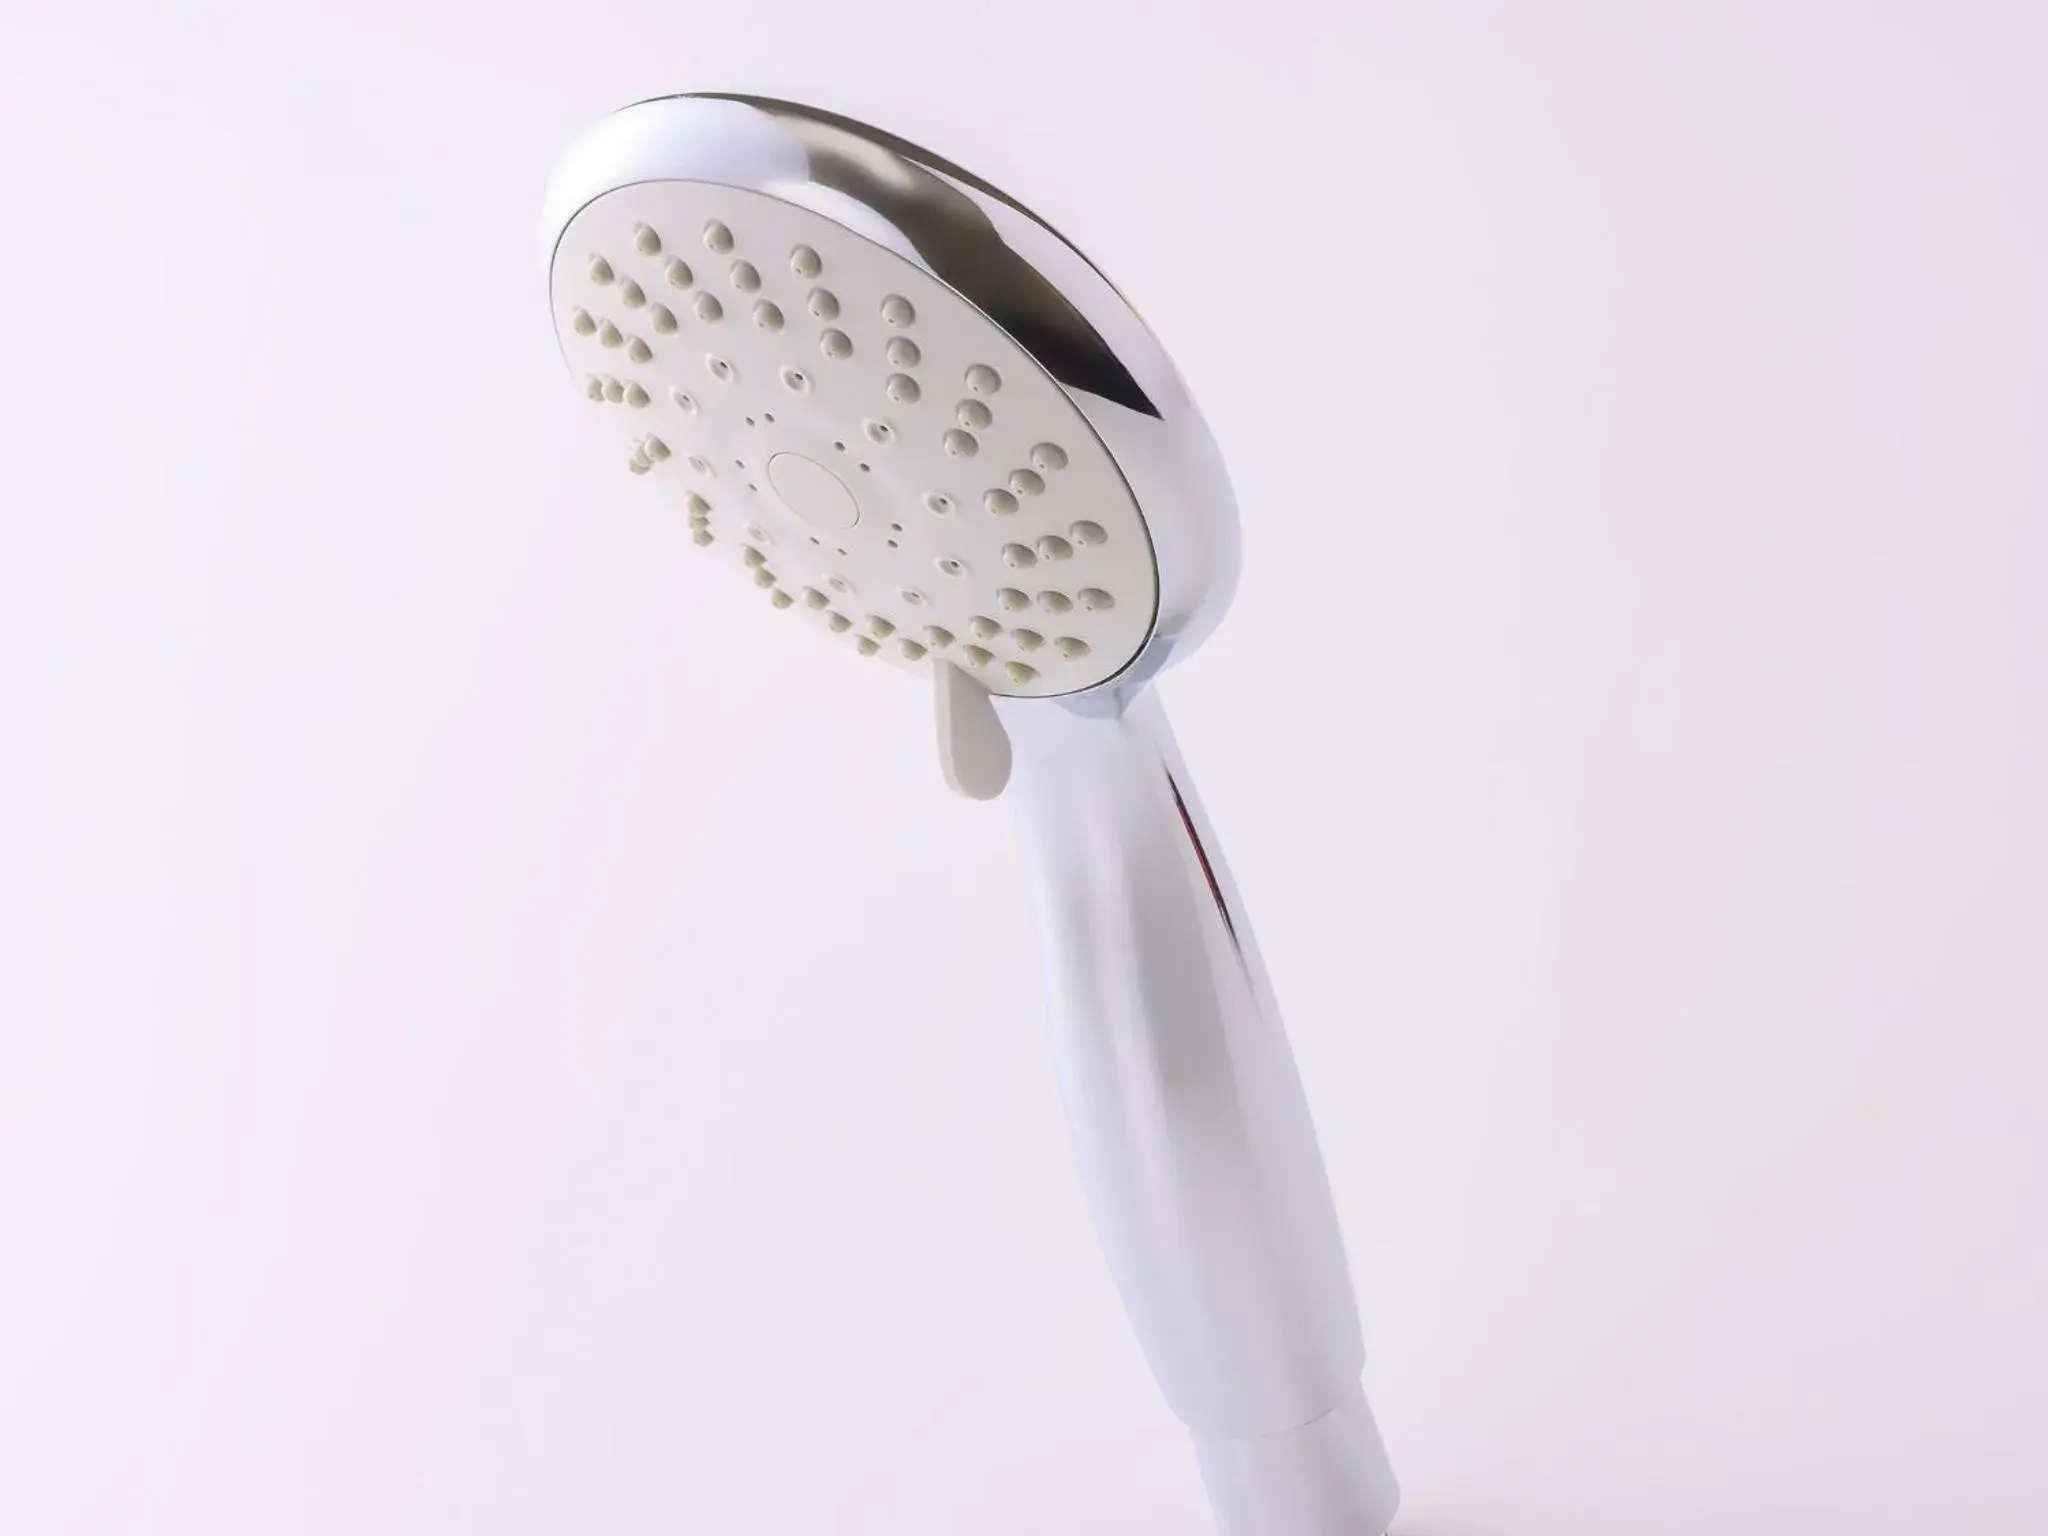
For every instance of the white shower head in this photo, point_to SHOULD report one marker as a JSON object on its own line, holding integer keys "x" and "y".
{"x": 917, "y": 419}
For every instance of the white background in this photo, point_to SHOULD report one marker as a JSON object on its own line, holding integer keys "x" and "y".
{"x": 498, "y": 1036}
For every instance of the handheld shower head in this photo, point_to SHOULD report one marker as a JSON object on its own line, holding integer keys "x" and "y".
{"x": 916, "y": 417}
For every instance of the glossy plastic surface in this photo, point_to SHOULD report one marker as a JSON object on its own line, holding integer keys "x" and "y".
{"x": 1189, "y": 1123}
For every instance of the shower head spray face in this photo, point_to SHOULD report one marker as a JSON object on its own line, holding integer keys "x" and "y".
{"x": 891, "y": 399}
{"x": 856, "y": 439}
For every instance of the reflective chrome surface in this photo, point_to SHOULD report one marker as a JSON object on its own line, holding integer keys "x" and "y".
{"x": 1010, "y": 264}
{"x": 1188, "y": 1118}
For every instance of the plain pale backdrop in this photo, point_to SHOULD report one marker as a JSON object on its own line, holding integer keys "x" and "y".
{"x": 498, "y": 1036}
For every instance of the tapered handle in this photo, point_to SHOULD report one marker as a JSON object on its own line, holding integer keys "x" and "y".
{"x": 1188, "y": 1120}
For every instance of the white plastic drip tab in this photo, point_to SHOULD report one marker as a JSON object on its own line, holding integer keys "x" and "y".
{"x": 974, "y": 750}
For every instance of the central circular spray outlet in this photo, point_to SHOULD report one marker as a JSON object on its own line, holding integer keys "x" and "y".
{"x": 813, "y": 492}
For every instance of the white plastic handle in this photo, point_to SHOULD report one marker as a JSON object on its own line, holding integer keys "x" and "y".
{"x": 1189, "y": 1123}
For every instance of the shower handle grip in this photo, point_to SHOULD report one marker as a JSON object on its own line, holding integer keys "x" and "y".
{"x": 1196, "y": 1150}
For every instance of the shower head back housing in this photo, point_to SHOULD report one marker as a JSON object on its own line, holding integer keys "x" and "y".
{"x": 904, "y": 406}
